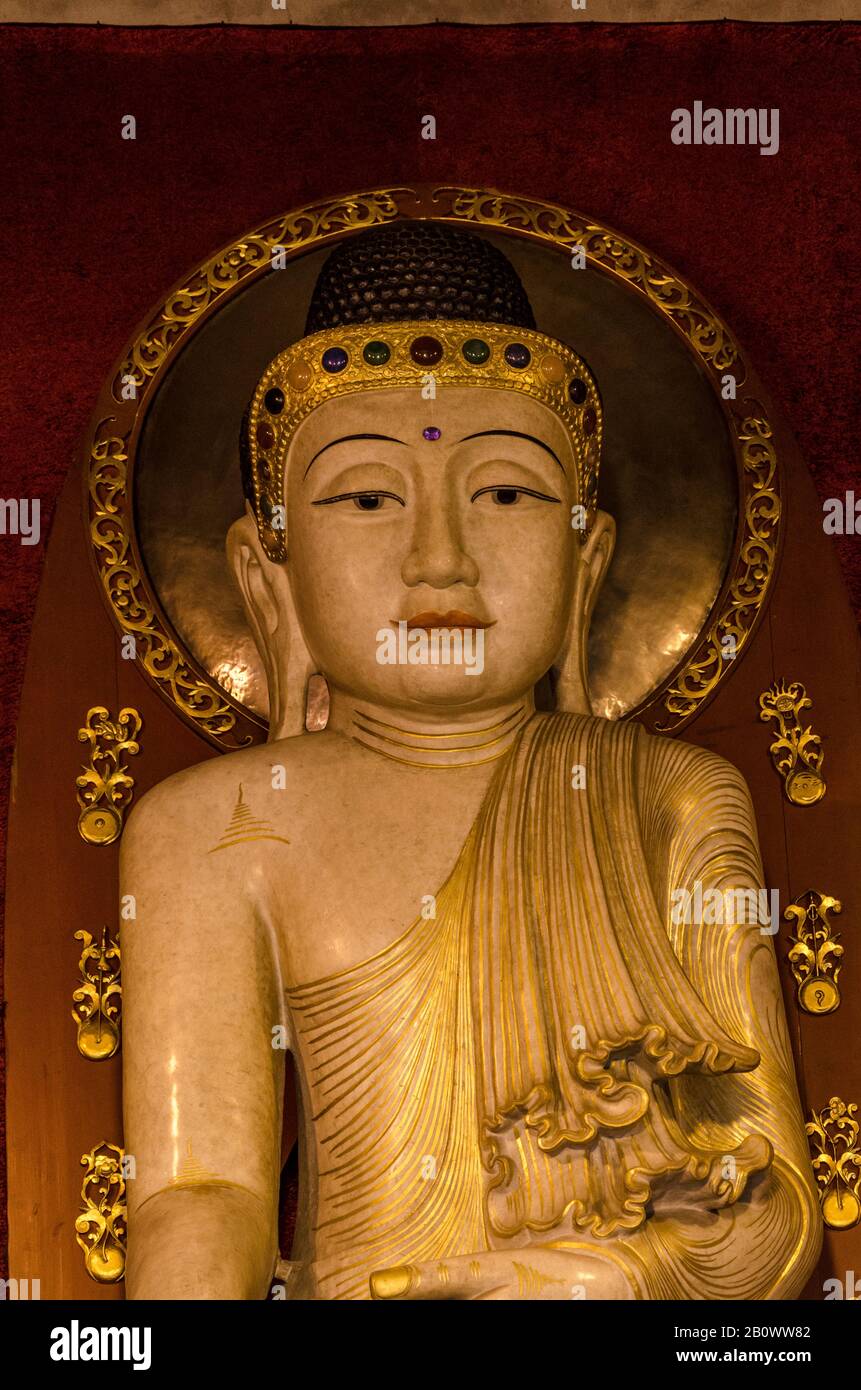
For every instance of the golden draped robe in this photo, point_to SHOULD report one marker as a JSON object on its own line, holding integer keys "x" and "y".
{"x": 550, "y": 1057}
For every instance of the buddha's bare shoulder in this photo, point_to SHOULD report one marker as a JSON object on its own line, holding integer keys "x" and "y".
{"x": 189, "y": 806}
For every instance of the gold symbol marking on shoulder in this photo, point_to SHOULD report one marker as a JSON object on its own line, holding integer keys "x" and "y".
{"x": 192, "y": 1173}
{"x": 244, "y": 827}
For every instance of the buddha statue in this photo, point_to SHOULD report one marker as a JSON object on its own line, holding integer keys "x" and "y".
{"x": 521, "y": 1073}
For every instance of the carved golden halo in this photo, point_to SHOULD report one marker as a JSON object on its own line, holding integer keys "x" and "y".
{"x": 118, "y": 421}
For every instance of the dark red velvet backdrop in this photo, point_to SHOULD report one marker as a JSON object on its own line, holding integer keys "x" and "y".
{"x": 235, "y": 125}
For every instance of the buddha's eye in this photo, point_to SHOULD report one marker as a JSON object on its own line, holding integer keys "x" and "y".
{"x": 363, "y": 501}
{"x": 510, "y": 496}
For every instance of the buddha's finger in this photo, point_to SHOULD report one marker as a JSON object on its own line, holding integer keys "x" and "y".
{"x": 461, "y": 1276}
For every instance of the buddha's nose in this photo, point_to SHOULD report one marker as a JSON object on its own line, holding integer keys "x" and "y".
{"x": 437, "y": 557}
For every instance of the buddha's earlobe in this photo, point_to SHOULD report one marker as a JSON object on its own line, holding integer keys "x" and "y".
{"x": 268, "y": 600}
{"x": 572, "y": 684}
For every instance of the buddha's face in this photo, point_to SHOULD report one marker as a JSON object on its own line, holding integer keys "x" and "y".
{"x": 455, "y": 512}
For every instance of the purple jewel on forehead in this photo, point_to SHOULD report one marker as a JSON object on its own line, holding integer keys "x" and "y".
{"x": 431, "y": 432}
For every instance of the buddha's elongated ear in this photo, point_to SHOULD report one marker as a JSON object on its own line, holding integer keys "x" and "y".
{"x": 572, "y": 686}
{"x": 271, "y": 612}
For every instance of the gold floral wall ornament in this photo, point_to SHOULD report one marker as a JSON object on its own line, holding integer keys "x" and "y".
{"x": 815, "y": 954}
{"x": 796, "y": 752}
{"x": 97, "y": 1002}
{"x": 215, "y": 709}
{"x": 833, "y": 1135}
{"x": 101, "y": 1225}
{"x": 105, "y": 788}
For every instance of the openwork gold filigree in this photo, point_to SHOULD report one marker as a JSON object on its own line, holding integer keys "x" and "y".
{"x": 105, "y": 788}
{"x": 101, "y": 1226}
{"x": 796, "y": 752}
{"x": 833, "y": 1135}
{"x": 250, "y": 256}
{"x": 124, "y": 402}
{"x": 98, "y": 999}
{"x": 605, "y": 248}
{"x": 132, "y": 604}
{"x": 741, "y": 602}
{"x": 815, "y": 954}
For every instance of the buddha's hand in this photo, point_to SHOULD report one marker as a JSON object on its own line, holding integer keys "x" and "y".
{"x": 535, "y": 1273}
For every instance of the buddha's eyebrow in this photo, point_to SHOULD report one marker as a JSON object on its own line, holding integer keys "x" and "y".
{"x": 344, "y": 440}
{"x": 516, "y": 434}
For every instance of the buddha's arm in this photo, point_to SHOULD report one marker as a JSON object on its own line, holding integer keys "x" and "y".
{"x": 699, "y": 826}
{"x": 202, "y": 1082}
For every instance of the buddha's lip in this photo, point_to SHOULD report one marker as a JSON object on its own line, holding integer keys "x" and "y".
{"x": 455, "y": 618}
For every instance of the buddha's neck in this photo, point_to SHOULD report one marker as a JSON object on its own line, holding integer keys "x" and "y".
{"x": 450, "y": 740}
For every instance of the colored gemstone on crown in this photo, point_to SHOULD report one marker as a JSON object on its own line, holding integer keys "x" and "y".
{"x": 299, "y": 375}
{"x": 431, "y": 432}
{"x": 518, "y": 355}
{"x": 265, "y": 435}
{"x": 476, "y": 351}
{"x": 334, "y": 360}
{"x": 552, "y": 368}
{"x": 590, "y": 420}
{"x": 376, "y": 354}
{"x": 426, "y": 351}
{"x": 274, "y": 400}
{"x": 577, "y": 390}
{"x": 264, "y": 470}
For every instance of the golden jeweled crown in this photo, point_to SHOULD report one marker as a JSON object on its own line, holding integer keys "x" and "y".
{"x": 342, "y": 361}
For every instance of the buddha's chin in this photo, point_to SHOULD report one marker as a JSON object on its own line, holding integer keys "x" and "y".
{"x": 439, "y": 688}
